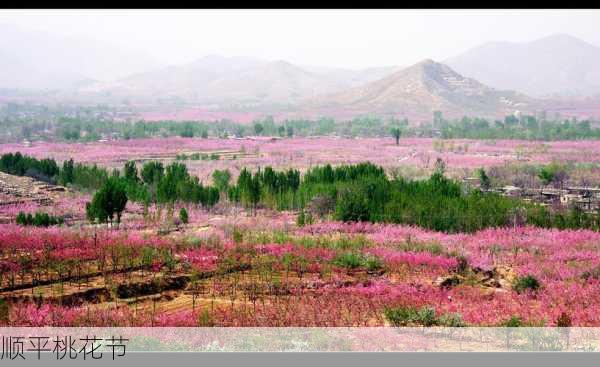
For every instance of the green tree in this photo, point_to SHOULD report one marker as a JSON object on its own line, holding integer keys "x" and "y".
{"x": 396, "y": 132}
{"x": 546, "y": 175}
{"x": 221, "y": 179}
{"x": 152, "y": 172}
{"x": 281, "y": 131}
{"x": 67, "y": 175}
{"x": 22, "y": 219}
{"x": 130, "y": 172}
{"x": 108, "y": 202}
{"x": 484, "y": 179}
{"x": 183, "y": 216}
{"x": 258, "y": 128}
{"x": 187, "y": 131}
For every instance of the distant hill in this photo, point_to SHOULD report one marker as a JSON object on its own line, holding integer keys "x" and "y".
{"x": 558, "y": 65}
{"x": 38, "y": 60}
{"x": 238, "y": 81}
{"x": 421, "y": 89}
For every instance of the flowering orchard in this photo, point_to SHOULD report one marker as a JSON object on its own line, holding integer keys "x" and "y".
{"x": 302, "y": 153}
{"x": 246, "y": 272}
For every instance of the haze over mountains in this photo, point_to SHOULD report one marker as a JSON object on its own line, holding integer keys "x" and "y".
{"x": 238, "y": 80}
{"x": 39, "y": 60}
{"x": 491, "y": 79}
{"x": 558, "y": 65}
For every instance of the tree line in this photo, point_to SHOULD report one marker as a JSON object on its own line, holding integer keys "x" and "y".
{"x": 85, "y": 128}
{"x": 359, "y": 192}
{"x": 363, "y": 192}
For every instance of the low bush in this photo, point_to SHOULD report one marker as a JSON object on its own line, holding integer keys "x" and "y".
{"x": 528, "y": 282}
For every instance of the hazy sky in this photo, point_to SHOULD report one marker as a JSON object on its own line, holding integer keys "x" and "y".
{"x": 345, "y": 38}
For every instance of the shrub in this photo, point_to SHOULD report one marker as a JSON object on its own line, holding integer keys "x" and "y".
{"x": 352, "y": 207}
{"x": 373, "y": 263}
{"x": 183, "y": 216}
{"x": 39, "y": 220}
{"x": 348, "y": 260}
{"x": 424, "y": 316}
{"x": 301, "y": 220}
{"x": 524, "y": 283}
{"x": 514, "y": 321}
{"x": 401, "y": 316}
{"x": 22, "y": 219}
{"x": 405, "y": 316}
{"x": 451, "y": 320}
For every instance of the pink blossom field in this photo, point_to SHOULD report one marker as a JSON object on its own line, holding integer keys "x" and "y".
{"x": 413, "y": 262}
{"x": 302, "y": 153}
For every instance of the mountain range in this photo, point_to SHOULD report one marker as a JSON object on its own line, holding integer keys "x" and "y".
{"x": 239, "y": 81}
{"x": 492, "y": 79}
{"x": 556, "y": 66}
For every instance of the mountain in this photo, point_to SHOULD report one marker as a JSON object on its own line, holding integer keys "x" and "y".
{"x": 187, "y": 81}
{"x": 239, "y": 81}
{"x": 419, "y": 90}
{"x": 558, "y": 65}
{"x": 39, "y": 60}
{"x": 352, "y": 78}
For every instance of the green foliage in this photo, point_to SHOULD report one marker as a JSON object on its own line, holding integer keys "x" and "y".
{"x": 363, "y": 192}
{"x": 353, "y": 206}
{"x": 20, "y": 165}
{"x": 221, "y": 179}
{"x": 348, "y": 260}
{"x": 91, "y": 128}
{"x": 553, "y": 173}
{"x": 396, "y": 133}
{"x": 354, "y": 260}
{"x": 183, "y": 216}
{"x": 546, "y": 175}
{"x": 484, "y": 179}
{"x": 409, "y": 316}
{"x": 107, "y": 202}
{"x": 372, "y": 263}
{"x": 424, "y": 316}
{"x": 451, "y": 320}
{"x": 258, "y": 128}
{"x": 187, "y": 130}
{"x": 130, "y": 172}
{"x": 40, "y": 219}
{"x": 301, "y": 220}
{"x": 528, "y": 282}
{"x": 514, "y": 321}
{"x": 152, "y": 172}
{"x": 360, "y": 192}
